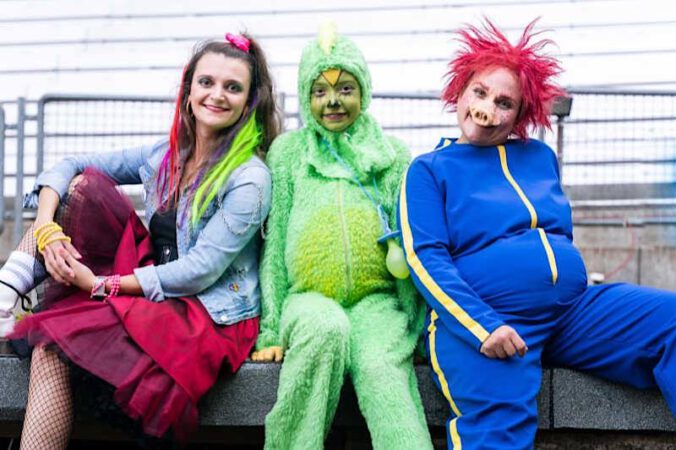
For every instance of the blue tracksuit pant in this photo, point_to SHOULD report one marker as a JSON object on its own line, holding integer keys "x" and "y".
{"x": 621, "y": 332}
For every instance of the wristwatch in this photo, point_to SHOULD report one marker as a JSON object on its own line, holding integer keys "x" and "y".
{"x": 99, "y": 289}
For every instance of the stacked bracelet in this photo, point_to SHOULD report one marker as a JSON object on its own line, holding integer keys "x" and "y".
{"x": 43, "y": 226}
{"x": 99, "y": 288}
{"x": 45, "y": 235}
{"x": 114, "y": 284}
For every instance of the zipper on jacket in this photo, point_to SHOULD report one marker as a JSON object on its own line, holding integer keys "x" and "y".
{"x": 346, "y": 242}
{"x": 550, "y": 255}
{"x": 533, "y": 215}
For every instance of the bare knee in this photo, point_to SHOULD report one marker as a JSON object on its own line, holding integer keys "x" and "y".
{"x": 74, "y": 182}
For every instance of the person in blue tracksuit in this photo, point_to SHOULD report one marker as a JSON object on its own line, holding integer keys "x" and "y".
{"x": 487, "y": 233}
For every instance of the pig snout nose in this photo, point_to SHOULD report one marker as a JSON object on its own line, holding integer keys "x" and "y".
{"x": 484, "y": 118}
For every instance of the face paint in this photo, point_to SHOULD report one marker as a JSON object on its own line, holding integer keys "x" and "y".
{"x": 332, "y": 76}
{"x": 337, "y": 106}
{"x": 488, "y": 107}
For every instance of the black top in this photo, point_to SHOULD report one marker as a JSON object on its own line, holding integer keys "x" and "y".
{"x": 163, "y": 235}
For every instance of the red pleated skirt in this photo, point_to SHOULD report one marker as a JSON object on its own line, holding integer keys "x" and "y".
{"x": 162, "y": 357}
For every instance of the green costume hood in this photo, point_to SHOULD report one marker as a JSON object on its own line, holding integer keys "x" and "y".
{"x": 362, "y": 144}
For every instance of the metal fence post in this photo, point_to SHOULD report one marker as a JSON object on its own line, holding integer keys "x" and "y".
{"x": 40, "y": 141}
{"x": 2, "y": 170}
{"x": 18, "y": 195}
{"x": 282, "y": 106}
{"x": 559, "y": 144}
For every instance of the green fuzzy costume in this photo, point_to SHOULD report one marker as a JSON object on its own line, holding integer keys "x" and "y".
{"x": 328, "y": 298}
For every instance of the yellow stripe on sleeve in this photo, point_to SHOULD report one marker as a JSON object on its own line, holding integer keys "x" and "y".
{"x": 448, "y": 303}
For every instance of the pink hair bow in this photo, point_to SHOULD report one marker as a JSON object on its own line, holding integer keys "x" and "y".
{"x": 238, "y": 41}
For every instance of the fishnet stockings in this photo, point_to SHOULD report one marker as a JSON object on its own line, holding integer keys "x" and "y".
{"x": 49, "y": 412}
{"x": 29, "y": 244}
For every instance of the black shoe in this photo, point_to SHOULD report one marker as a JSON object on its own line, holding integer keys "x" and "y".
{"x": 6, "y": 348}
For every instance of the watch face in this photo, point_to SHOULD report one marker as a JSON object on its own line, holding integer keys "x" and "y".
{"x": 99, "y": 289}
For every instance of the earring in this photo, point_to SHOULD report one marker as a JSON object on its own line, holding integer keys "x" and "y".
{"x": 188, "y": 109}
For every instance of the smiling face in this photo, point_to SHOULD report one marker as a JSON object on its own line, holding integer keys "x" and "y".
{"x": 335, "y": 102}
{"x": 489, "y": 107}
{"x": 218, "y": 92}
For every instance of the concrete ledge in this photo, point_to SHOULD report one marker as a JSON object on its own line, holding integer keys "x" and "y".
{"x": 13, "y": 388}
{"x": 568, "y": 399}
{"x": 587, "y": 402}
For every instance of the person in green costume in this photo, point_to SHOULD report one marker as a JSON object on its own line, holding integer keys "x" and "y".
{"x": 331, "y": 305}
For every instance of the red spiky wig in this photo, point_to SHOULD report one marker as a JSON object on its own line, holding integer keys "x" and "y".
{"x": 488, "y": 47}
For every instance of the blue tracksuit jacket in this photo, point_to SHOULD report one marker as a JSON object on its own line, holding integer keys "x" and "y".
{"x": 488, "y": 236}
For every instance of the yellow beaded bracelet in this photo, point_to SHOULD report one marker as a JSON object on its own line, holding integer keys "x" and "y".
{"x": 54, "y": 239}
{"x": 45, "y": 225}
{"x": 47, "y": 234}
{"x": 45, "y": 231}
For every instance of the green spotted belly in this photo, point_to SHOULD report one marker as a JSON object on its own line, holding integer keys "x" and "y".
{"x": 337, "y": 254}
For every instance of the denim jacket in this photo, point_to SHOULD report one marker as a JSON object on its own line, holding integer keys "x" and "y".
{"x": 217, "y": 258}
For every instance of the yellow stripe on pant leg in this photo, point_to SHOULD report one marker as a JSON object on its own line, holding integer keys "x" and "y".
{"x": 453, "y": 429}
{"x": 455, "y": 437}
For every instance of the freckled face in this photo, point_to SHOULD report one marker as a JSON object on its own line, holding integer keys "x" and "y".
{"x": 335, "y": 106}
{"x": 489, "y": 107}
{"x": 218, "y": 92}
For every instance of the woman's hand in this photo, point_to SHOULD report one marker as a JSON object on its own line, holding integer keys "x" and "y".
{"x": 55, "y": 263}
{"x": 82, "y": 276}
{"x": 504, "y": 342}
{"x": 268, "y": 354}
{"x": 48, "y": 202}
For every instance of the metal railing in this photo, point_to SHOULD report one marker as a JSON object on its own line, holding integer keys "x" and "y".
{"x": 617, "y": 149}
{"x": 621, "y": 137}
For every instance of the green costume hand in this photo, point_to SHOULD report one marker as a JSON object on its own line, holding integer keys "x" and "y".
{"x": 268, "y": 354}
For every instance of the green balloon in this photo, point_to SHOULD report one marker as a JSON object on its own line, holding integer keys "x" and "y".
{"x": 396, "y": 261}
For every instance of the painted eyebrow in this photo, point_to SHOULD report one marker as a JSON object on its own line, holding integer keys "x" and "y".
{"x": 498, "y": 97}
{"x": 505, "y": 97}
{"x": 320, "y": 82}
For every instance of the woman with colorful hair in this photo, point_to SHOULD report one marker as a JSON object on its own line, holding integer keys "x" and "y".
{"x": 487, "y": 233}
{"x": 154, "y": 314}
